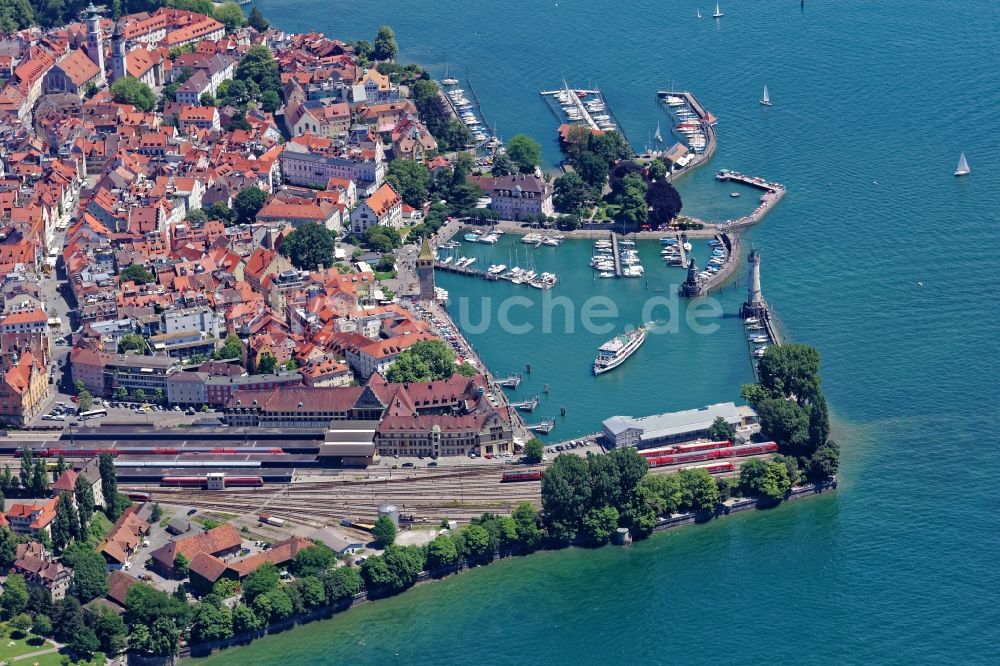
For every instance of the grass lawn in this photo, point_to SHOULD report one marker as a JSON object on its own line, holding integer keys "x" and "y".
{"x": 54, "y": 659}
{"x": 387, "y": 275}
{"x": 11, "y": 647}
{"x": 99, "y": 528}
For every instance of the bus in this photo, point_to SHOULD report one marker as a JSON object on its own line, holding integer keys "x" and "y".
{"x": 92, "y": 414}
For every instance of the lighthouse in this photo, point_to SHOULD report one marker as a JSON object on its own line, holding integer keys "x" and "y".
{"x": 754, "y": 305}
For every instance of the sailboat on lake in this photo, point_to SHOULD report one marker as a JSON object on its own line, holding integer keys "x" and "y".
{"x": 718, "y": 12}
{"x": 766, "y": 99}
{"x": 698, "y": 13}
{"x": 963, "y": 166}
{"x": 659, "y": 135}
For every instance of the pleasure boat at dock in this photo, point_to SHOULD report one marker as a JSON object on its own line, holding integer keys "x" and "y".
{"x": 472, "y": 237}
{"x": 614, "y": 352}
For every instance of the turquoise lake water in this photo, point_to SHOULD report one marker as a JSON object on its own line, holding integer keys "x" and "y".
{"x": 901, "y": 564}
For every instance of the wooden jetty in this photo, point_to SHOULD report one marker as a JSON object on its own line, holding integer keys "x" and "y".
{"x": 526, "y": 405}
{"x": 465, "y": 270}
{"x": 681, "y": 239}
{"x": 545, "y": 427}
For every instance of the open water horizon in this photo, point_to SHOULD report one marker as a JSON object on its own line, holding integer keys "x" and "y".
{"x": 872, "y": 104}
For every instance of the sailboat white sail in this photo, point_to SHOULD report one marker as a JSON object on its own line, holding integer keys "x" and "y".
{"x": 698, "y": 13}
{"x": 766, "y": 99}
{"x": 718, "y": 12}
{"x": 448, "y": 80}
{"x": 963, "y": 166}
{"x": 658, "y": 135}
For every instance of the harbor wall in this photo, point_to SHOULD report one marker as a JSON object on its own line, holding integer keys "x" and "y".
{"x": 326, "y": 612}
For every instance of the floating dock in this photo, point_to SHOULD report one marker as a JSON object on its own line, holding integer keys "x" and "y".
{"x": 511, "y": 381}
{"x": 448, "y": 92}
{"x": 545, "y": 427}
{"x": 526, "y": 405}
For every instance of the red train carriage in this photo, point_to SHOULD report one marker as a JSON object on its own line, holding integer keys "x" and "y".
{"x": 138, "y": 497}
{"x": 533, "y": 475}
{"x": 703, "y": 446}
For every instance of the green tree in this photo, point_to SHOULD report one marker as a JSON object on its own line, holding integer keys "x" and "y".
{"x": 309, "y": 246}
{"x": 86, "y": 401}
{"x": 476, "y": 539}
{"x": 220, "y": 211}
{"x": 658, "y": 169}
{"x": 764, "y": 479}
{"x": 599, "y": 524}
{"x": 313, "y": 560}
{"x": 230, "y": 15}
{"x": 66, "y": 525}
{"x": 160, "y": 638}
{"x": 110, "y": 630}
{"x": 211, "y": 622}
{"x": 385, "y": 44}
{"x": 16, "y": 15}
{"x": 533, "y": 451}
{"x": 8, "y": 548}
{"x": 132, "y": 342}
{"x": 721, "y": 430}
{"x": 527, "y": 525}
{"x": 565, "y": 496}
{"x": 121, "y": 393}
{"x": 363, "y": 50}
{"x": 266, "y": 363}
{"x": 257, "y": 20}
{"x": 15, "y": 596}
{"x": 270, "y": 101}
{"x": 441, "y": 553}
{"x": 825, "y": 462}
{"x": 129, "y": 90}
{"x": 109, "y": 485}
{"x": 21, "y": 623}
{"x": 28, "y": 462}
{"x": 524, "y": 152}
{"x": 232, "y": 348}
{"x": 89, "y": 571}
{"x": 261, "y": 581}
{"x": 666, "y": 492}
{"x": 136, "y": 273}
{"x": 341, "y": 583}
{"x": 502, "y": 165}
{"x": 245, "y": 620}
{"x": 146, "y": 605}
{"x": 140, "y": 395}
{"x": 248, "y": 203}
{"x": 42, "y": 625}
{"x": 466, "y": 369}
{"x": 426, "y": 360}
{"x": 384, "y": 531}
{"x": 7, "y": 480}
{"x": 698, "y": 490}
{"x": 410, "y": 179}
{"x": 571, "y": 193}
{"x": 592, "y": 169}
{"x": 258, "y": 65}
{"x": 181, "y": 566}
{"x": 206, "y": 99}
{"x": 39, "y": 477}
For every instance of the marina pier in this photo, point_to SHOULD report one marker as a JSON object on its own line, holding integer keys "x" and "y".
{"x": 706, "y": 122}
{"x": 773, "y": 192}
{"x": 570, "y": 108}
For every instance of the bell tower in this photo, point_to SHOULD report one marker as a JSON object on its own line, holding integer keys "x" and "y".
{"x": 119, "y": 63}
{"x": 425, "y": 271}
{"x": 95, "y": 42}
